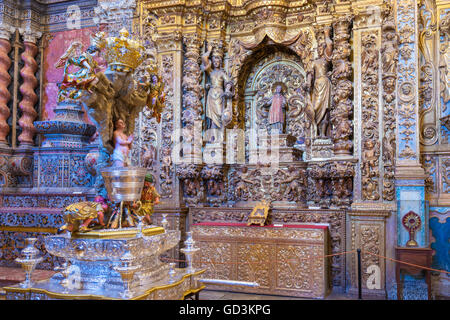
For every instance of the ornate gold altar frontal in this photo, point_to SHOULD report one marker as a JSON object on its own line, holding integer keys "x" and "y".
{"x": 285, "y": 260}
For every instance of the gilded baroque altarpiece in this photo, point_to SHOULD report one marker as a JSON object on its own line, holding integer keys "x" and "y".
{"x": 357, "y": 89}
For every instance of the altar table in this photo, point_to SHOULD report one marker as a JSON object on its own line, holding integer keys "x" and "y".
{"x": 284, "y": 260}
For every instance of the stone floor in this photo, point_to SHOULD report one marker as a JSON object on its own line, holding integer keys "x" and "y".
{"x": 225, "y": 295}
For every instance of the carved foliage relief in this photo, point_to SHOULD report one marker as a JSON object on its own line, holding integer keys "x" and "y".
{"x": 407, "y": 82}
{"x": 370, "y": 119}
{"x": 389, "y": 58}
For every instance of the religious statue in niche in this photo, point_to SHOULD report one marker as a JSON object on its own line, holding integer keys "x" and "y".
{"x": 219, "y": 92}
{"x": 84, "y": 78}
{"x": 122, "y": 146}
{"x": 277, "y": 110}
{"x": 319, "y": 84}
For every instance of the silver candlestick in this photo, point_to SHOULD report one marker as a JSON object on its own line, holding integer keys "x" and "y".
{"x": 28, "y": 261}
{"x": 172, "y": 272}
{"x": 127, "y": 271}
{"x": 164, "y": 221}
{"x": 189, "y": 250}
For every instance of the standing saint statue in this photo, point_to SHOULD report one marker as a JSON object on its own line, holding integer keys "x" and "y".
{"x": 219, "y": 90}
{"x": 277, "y": 109}
{"x": 321, "y": 91}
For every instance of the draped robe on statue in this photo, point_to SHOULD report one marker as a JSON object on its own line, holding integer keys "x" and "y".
{"x": 214, "y": 101}
{"x": 276, "y": 114}
{"x": 321, "y": 98}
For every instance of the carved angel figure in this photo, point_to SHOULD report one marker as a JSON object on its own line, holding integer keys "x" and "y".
{"x": 241, "y": 190}
{"x": 293, "y": 187}
{"x": 81, "y": 79}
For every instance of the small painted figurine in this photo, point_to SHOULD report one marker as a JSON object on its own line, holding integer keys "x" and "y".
{"x": 84, "y": 77}
{"x": 149, "y": 198}
{"x": 157, "y": 96}
{"x": 79, "y": 215}
{"x": 122, "y": 145}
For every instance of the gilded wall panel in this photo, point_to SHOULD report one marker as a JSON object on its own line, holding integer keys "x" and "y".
{"x": 282, "y": 260}
{"x": 368, "y": 234}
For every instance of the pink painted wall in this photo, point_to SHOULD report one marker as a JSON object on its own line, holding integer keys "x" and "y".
{"x": 52, "y": 76}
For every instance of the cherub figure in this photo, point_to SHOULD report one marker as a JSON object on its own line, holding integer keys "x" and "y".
{"x": 122, "y": 145}
{"x": 241, "y": 190}
{"x": 292, "y": 190}
{"x": 370, "y": 156}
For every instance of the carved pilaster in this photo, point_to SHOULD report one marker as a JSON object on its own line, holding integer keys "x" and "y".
{"x": 192, "y": 94}
{"x": 368, "y": 233}
{"x": 409, "y": 174}
{"x": 389, "y": 59}
{"x": 370, "y": 144}
{"x": 342, "y": 110}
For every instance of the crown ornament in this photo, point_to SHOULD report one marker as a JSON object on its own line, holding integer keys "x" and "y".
{"x": 122, "y": 53}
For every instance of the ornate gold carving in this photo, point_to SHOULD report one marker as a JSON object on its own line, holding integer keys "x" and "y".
{"x": 340, "y": 77}
{"x": 367, "y": 234}
{"x": 280, "y": 260}
{"x": 370, "y": 171}
{"x": 407, "y": 79}
{"x": 389, "y": 60}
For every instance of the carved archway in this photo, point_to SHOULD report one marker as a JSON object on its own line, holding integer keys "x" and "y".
{"x": 278, "y": 67}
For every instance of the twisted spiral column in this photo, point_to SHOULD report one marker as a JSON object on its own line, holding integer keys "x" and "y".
{"x": 29, "y": 96}
{"x": 5, "y": 96}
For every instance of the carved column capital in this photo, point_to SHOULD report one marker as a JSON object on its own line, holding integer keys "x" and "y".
{"x": 30, "y": 35}
{"x": 6, "y": 31}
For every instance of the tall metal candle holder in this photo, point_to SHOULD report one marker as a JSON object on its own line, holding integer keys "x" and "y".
{"x": 189, "y": 251}
{"x": 127, "y": 271}
{"x": 28, "y": 261}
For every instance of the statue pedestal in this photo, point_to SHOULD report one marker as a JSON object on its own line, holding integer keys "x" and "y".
{"x": 321, "y": 148}
{"x": 277, "y": 147}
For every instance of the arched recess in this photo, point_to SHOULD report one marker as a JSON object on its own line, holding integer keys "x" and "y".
{"x": 263, "y": 67}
